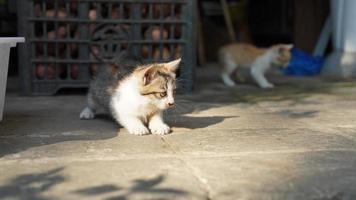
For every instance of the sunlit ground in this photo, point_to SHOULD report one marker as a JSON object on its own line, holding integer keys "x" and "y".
{"x": 297, "y": 141}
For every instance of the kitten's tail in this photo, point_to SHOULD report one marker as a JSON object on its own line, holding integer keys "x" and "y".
{"x": 123, "y": 60}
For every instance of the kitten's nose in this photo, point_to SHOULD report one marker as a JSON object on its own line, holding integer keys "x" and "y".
{"x": 171, "y": 104}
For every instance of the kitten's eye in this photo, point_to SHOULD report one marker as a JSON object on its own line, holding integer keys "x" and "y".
{"x": 163, "y": 94}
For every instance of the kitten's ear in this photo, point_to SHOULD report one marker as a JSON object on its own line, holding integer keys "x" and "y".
{"x": 284, "y": 47}
{"x": 289, "y": 46}
{"x": 149, "y": 75}
{"x": 173, "y": 65}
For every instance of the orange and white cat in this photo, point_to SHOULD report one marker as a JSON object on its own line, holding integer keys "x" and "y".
{"x": 258, "y": 60}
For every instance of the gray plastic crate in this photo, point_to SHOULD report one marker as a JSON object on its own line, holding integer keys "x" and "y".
{"x": 67, "y": 39}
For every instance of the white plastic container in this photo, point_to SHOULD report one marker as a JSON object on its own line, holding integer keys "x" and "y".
{"x": 5, "y": 44}
{"x": 344, "y": 25}
{"x": 341, "y": 63}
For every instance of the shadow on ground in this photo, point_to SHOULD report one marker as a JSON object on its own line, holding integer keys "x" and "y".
{"x": 34, "y": 185}
{"x": 22, "y": 129}
{"x": 296, "y": 114}
{"x": 31, "y": 186}
{"x": 144, "y": 187}
{"x": 191, "y": 122}
{"x": 36, "y": 121}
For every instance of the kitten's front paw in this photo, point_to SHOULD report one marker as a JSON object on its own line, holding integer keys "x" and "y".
{"x": 267, "y": 86}
{"x": 138, "y": 130}
{"x": 159, "y": 129}
{"x": 87, "y": 113}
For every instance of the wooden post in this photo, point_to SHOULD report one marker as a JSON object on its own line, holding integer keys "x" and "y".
{"x": 228, "y": 21}
{"x": 201, "y": 46}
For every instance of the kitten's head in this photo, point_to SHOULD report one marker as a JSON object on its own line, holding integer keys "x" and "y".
{"x": 283, "y": 54}
{"x": 159, "y": 83}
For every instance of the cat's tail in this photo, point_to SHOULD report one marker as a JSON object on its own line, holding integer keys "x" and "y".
{"x": 126, "y": 60}
{"x": 122, "y": 59}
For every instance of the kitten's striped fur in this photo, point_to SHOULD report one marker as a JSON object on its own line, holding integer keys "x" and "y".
{"x": 135, "y": 95}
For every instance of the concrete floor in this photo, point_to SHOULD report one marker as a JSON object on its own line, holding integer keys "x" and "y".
{"x": 297, "y": 141}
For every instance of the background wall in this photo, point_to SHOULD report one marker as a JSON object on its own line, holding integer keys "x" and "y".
{"x": 309, "y": 19}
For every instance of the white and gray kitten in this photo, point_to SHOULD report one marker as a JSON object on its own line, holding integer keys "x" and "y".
{"x": 135, "y": 95}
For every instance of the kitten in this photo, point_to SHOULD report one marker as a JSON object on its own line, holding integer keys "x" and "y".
{"x": 259, "y": 60}
{"x": 135, "y": 96}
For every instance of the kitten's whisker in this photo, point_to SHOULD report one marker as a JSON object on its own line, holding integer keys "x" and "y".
{"x": 184, "y": 73}
{"x": 181, "y": 80}
{"x": 182, "y": 108}
{"x": 177, "y": 109}
{"x": 174, "y": 114}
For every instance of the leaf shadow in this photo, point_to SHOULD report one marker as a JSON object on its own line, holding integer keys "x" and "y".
{"x": 140, "y": 186}
{"x": 31, "y": 186}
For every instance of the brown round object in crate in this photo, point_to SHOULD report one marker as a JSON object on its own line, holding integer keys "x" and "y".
{"x": 51, "y": 35}
{"x": 115, "y": 13}
{"x": 165, "y": 9}
{"x": 73, "y": 47}
{"x": 157, "y": 35}
{"x": 73, "y": 5}
{"x": 74, "y": 71}
{"x": 50, "y": 46}
{"x": 40, "y": 71}
{"x": 50, "y": 13}
{"x": 93, "y": 69}
{"x": 144, "y": 10}
{"x": 37, "y": 10}
{"x": 165, "y": 54}
{"x": 154, "y": 33}
{"x": 51, "y": 71}
{"x": 62, "y": 32}
{"x": 144, "y": 51}
{"x": 62, "y": 13}
{"x": 177, "y": 28}
{"x": 177, "y": 52}
{"x": 93, "y": 14}
{"x": 48, "y": 72}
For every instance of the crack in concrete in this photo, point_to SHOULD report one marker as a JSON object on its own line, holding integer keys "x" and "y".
{"x": 195, "y": 171}
{"x": 342, "y": 133}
